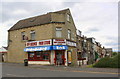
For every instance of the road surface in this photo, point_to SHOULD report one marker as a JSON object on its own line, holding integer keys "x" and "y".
{"x": 9, "y": 70}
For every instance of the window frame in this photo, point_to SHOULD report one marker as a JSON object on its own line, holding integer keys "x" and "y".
{"x": 23, "y": 35}
{"x": 58, "y": 32}
{"x": 69, "y": 34}
{"x": 32, "y": 32}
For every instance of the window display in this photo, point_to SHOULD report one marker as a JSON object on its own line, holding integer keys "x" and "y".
{"x": 45, "y": 56}
{"x": 39, "y": 56}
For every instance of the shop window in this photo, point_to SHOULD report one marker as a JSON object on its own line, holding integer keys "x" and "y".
{"x": 32, "y": 33}
{"x": 69, "y": 34}
{"x": 45, "y": 56}
{"x": 31, "y": 54}
{"x": 58, "y": 32}
{"x": 38, "y": 56}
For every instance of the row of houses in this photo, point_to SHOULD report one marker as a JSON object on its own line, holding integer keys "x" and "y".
{"x": 52, "y": 39}
{"x": 89, "y": 50}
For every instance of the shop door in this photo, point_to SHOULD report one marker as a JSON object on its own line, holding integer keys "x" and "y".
{"x": 60, "y": 58}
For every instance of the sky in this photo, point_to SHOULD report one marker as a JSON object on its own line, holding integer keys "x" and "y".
{"x": 95, "y": 18}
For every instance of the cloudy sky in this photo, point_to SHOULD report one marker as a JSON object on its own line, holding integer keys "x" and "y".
{"x": 98, "y": 19}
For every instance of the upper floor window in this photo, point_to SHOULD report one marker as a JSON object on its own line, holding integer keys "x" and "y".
{"x": 68, "y": 17}
{"x": 58, "y": 32}
{"x": 23, "y": 35}
{"x": 69, "y": 34}
{"x": 32, "y": 33}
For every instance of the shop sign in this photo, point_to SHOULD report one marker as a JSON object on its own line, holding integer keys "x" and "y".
{"x": 44, "y": 48}
{"x": 39, "y": 43}
{"x": 39, "y": 48}
{"x": 59, "y": 42}
{"x": 69, "y": 43}
{"x": 60, "y": 47}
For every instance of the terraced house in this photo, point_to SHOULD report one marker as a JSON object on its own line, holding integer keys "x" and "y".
{"x": 46, "y": 39}
{"x": 82, "y": 48}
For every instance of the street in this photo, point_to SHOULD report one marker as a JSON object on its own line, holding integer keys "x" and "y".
{"x": 19, "y": 70}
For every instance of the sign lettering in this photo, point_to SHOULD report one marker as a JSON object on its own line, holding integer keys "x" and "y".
{"x": 59, "y": 42}
{"x": 39, "y": 43}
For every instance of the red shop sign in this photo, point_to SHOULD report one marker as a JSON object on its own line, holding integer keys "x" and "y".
{"x": 39, "y": 43}
{"x": 59, "y": 42}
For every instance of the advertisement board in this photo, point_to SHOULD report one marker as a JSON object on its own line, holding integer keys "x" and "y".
{"x": 59, "y": 42}
{"x": 69, "y": 56}
{"x": 69, "y": 43}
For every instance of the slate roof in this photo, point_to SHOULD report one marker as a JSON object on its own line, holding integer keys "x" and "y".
{"x": 35, "y": 21}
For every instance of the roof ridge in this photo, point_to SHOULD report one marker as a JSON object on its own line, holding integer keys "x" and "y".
{"x": 47, "y": 13}
{"x": 34, "y": 16}
{"x": 61, "y": 10}
{"x": 35, "y": 20}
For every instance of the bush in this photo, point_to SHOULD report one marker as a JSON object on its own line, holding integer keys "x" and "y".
{"x": 114, "y": 53}
{"x": 104, "y": 62}
{"x": 108, "y": 62}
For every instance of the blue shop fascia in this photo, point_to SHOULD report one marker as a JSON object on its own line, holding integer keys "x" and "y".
{"x": 49, "y": 52}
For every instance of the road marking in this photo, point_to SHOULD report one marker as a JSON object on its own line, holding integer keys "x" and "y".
{"x": 97, "y": 72}
{"x": 15, "y": 75}
{"x": 82, "y": 71}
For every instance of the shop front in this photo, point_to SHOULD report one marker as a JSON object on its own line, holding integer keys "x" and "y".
{"x": 54, "y": 54}
{"x": 48, "y": 52}
{"x": 39, "y": 54}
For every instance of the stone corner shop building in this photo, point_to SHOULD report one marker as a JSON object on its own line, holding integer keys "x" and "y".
{"x": 44, "y": 39}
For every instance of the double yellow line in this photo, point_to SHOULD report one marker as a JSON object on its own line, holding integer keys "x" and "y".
{"x": 97, "y": 72}
{"x": 82, "y": 71}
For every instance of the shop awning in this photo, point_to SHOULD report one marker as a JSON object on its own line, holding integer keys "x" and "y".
{"x": 45, "y": 48}
{"x": 38, "y": 48}
{"x": 3, "y": 50}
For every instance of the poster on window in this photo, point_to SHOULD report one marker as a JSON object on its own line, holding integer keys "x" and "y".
{"x": 69, "y": 57}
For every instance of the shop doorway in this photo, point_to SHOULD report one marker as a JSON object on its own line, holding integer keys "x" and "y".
{"x": 60, "y": 57}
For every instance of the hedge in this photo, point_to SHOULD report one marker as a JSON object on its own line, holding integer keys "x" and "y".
{"x": 108, "y": 62}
